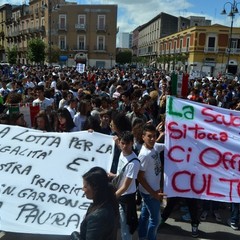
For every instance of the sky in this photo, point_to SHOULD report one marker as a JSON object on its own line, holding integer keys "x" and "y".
{"x": 133, "y": 13}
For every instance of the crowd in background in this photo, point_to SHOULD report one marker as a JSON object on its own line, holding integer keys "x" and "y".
{"x": 106, "y": 101}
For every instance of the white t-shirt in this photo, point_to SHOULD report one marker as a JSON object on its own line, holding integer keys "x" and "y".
{"x": 131, "y": 171}
{"x": 151, "y": 166}
{"x": 43, "y": 104}
{"x": 79, "y": 120}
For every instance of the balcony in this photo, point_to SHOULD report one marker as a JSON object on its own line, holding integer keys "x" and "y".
{"x": 185, "y": 50}
{"x": 101, "y": 28}
{"x": 211, "y": 50}
{"x": 24, "y": 31}
{"x": 14, "y": 34}
{"x": 100, "y": 48}
{"x": 81, "y": 27}
{"x": 36, "y": 29}
{"x": 62, "y": 27}
{"x": 79, "y": 49}
{"x": 232, "y": 50}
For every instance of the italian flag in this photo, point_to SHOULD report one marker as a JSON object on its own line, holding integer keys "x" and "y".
{"x": 179, "y": 85}
{"x": 27, "y": 110}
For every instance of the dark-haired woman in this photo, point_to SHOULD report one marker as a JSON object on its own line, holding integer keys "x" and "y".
{"x": 102, "y": 218}
{"x": 41, "y": 122}
{"x": 64, "y": 121}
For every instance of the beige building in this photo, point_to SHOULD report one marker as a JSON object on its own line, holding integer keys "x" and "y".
{"x": 5, "y": 15}
{"x": 202, "y": 49}
{"x": 80, "y": 33}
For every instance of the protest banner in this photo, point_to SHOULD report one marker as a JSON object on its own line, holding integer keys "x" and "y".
{"x": 202, "y": 158}
{"x": 41, "y": 178}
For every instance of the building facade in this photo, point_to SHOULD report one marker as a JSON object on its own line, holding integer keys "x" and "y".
{"x": 5, "y": 15}
{"x": 78, "y": 33}
{"x": 125, "y": 40}
{"x": 201, "y": 49}
{"x": 160, "y": 26}
{"x": 146, "y": 37}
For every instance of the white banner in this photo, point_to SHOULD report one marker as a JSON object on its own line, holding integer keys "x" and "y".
{"x": 41, "y": 178}
{"x": 202, "y": 158}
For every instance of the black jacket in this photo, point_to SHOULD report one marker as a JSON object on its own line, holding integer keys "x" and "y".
{"x": 100, "y": 224}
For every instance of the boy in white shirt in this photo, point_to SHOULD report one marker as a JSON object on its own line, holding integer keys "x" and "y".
{"x": 149, "y": 177}
{"x": 126, "y": 192}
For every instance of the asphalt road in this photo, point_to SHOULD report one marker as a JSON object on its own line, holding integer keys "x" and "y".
{"x": 174, "y": 229}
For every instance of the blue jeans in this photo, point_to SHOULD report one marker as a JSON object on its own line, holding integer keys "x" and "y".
{"x": 235, "y": 213}
{"x": 149, "y": 217}
{"x": 125, "y": 234}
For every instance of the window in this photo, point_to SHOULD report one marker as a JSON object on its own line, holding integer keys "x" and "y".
{"x": 175, "y": 45}
{"x": 181, "y": 44}
{"x": 81, "y": 42}
{"x": 188, "y": 43}
{"x": 101, "y": 22}
{"x": 211, "y": 42}
{"x": 81, "y": 21}
{"x": 101, "y": 43}
{"x": 62, "y": 21}
{"x": 62, "y": 42}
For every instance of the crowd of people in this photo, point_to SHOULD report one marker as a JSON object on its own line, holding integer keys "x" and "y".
{"x": 129, "y": 104}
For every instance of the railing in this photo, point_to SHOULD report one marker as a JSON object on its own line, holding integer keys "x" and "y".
{"x": 100, "y": 49}
{"x": 233, "y": 50}
{"x": 211, "y": 49}
{"x": 62, "y": 27}
{"x": 185, "y": 49}
{"x": 77, "y": 48}
{"x": 80, "y": 27}
{"x": 101, "y": 28}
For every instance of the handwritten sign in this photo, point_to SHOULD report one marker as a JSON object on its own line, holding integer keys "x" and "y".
{"x": 202, "y": 158}
{"x": 41, "y": 178}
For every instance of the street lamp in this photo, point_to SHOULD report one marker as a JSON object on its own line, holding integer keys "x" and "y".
{"x": 233, "y": 11}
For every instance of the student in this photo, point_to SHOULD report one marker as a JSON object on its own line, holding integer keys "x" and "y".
{"x": 64, "y": 121}
{"x": 41, "y": 100}
{"x": 126, "y": 193}
{"x": 149, "y": 178}
{"x": 41, "y": 122}
{"x": 101, "y": 221}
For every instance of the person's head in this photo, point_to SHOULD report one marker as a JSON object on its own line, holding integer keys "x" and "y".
{"x": 39, "y": 91}
{"x": 84, "y": 107}
{"x": 93, "y": 123}
{"x": 65, "y": 119}
{"x": 14, "y": 98}
{"x": 96, "y": 185}
{"x": 17, "y": 119}
{"x": 105, "y": 117}
{"x": 120, "y": 122}
{"x": 126, "y": 142}
{"x": 72, "y": 103}
{"x": 42, "y": 122}
{"x": 149, "y": 135}
{"x": 4, "y": 118}
{"x": 125, "y": 96}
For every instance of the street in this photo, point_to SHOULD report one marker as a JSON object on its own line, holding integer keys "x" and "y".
{"x": 173, "y": 229}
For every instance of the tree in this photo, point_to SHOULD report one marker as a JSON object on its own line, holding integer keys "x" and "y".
{"x": 12, "y": 55}
{"x": 55, "y": 54}
{"x": 123, "y": 57}
{"x": 36, "y": 50}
